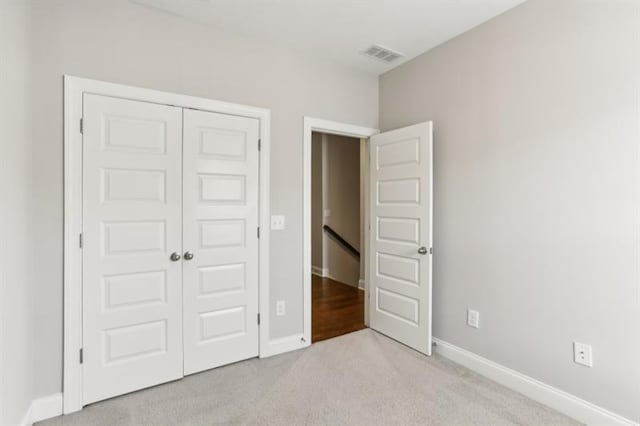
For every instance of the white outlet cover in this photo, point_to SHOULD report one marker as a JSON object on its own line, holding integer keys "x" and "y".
{"x": 277, "y": 222}
{"x": 473, "y": 318}
{"x": 583, "y": 354}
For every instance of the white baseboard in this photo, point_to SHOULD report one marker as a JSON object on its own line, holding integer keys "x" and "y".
{"x": 26, "y": 419}
{"x": 325, "y": 273}
{"x": 47, "y": 407}
{"x": 42, "y": 409}
{"x": 562, "y": 401}
{"x": 321, "y": 272}
{"x": 284, "y": 344}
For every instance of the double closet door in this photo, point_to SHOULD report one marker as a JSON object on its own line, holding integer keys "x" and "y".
{"x": 169, "y": 243}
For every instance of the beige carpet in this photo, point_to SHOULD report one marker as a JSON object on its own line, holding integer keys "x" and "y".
{"x": 361, "y": 378}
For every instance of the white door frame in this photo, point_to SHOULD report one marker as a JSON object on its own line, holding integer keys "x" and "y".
{"x": 74, "y": 89}
{"x": 334, "y": 128}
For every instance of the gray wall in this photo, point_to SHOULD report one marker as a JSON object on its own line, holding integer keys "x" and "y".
{"x": 536, "y": 222}
{"x": 16, "y": 243}
{"x": 343, "y": 200}
{"x": 126, "y": 43}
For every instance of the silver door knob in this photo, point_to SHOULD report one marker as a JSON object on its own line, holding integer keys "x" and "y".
{"x": 175, "y": 256}
{"x": 188, "y": 255}
{"x": 422, "y": 250}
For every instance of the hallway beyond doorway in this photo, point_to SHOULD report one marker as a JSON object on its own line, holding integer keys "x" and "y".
{"x": 337, "y": 309}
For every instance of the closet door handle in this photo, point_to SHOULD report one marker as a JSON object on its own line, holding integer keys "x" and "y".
{"x": 188, "y": 255}
{"x": 175, "y": 257}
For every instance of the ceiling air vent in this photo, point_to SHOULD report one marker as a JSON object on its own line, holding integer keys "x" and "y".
{"x": 382, "y": 53}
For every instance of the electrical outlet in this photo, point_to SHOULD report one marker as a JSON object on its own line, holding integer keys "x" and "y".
{"x": 327, "y": 213}
{"x": 280, "y": 308}
{"x": 473, "y": 318}
{"x": 582, "y": 354}
{"x": 277, "y": 222}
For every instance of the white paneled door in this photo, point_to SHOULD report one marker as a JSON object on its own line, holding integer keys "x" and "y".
{"x": 169, "y": 243}
{"x": 132, "y": 289}
{"x": 220, "y": 239}
{"x": 400, "y": 238}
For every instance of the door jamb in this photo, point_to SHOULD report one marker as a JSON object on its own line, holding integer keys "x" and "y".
{"x": 325, "y": 199}
{"x": 335, "y": 128}
{"x": 74, "y": 89}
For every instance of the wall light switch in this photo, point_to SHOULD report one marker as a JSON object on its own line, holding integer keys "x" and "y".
{"x": 277, "y": 222}
{"x": 280, "y": 308}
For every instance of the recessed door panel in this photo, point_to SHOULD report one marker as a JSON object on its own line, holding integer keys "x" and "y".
{"x": 132, "y": 291}
{"x": 400, "y": 240}
{"x": 133, "y": 185}
{"x": 399, "y": 153}
{"x": 397, "y": 306}
{"x": 127, "y": 237}
{"x": 221, "y": 233}
{"x": 222, "y": 189}
{"x": 398, "y": 191}
{"x": 218, "y": 279}
{"x": 135, "y": 290}
{"x": 223, "y": 144}
{"x": 403, "y": 269}
{"x": 127, "y": 133}
{"x": 220, "y": 229}
{"x": 222, "y": 324}
{"x": 399, "y": 230}
{"x": 137, "y": 341}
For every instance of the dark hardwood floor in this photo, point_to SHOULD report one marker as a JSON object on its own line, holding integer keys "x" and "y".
{"x": 336, "y": 309}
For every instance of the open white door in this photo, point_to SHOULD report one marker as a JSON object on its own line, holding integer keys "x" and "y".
{"x": 401, "y": 235}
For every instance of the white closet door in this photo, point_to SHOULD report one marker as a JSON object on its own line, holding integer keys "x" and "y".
{"x": 132, "y": 296}
{"x": 400, "y": 242}
{"x": 220, "y": 231}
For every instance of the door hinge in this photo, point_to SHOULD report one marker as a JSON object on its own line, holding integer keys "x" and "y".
{"x": 81, "y": 356}
{"x": 81, "y": 125}
{"x": 259, "y": 144}
{"x": 258, "y": 319}
{"x": 258, "y": 232}
{"x": 80, "y": 240}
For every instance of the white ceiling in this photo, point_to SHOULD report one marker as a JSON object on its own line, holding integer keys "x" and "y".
{"x": 341, "y": 29}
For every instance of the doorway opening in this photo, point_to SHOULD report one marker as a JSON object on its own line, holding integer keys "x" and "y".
{"x": 397, "y": 244}
{"x": 337, "y": 235}
{"x": 327, "y": 286}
